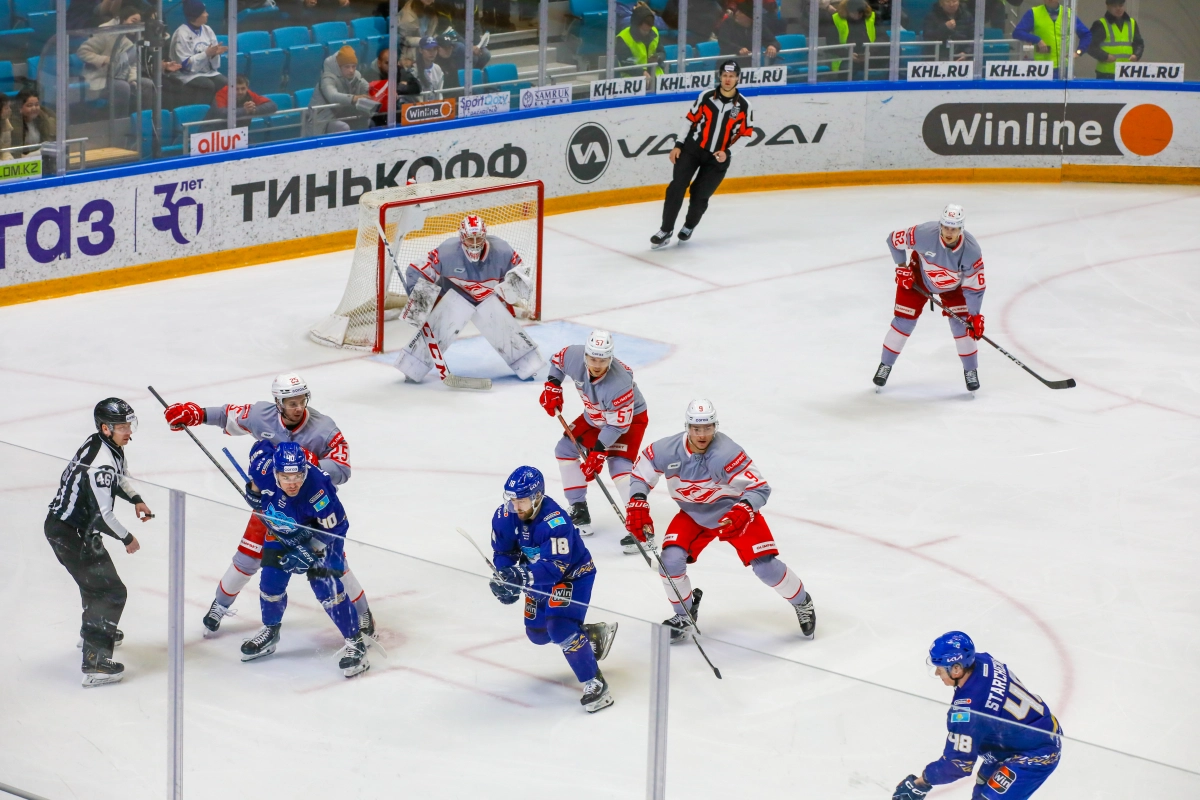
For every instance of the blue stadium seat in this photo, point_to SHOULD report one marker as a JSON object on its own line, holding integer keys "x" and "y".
{"x": 8, "y": 79}
{"x": 506, "y": 76}
{"x": 266, "y": 70}
{"x": 324, "y": 32}
{"x": 304, "y": 66}
{"x": 21, "y": 9}
{"x": 476, "y": 77}
{"x": 260, "y": 19}
{"x": 192, "y": 113}
{"x": 282, "y": 100}
{"x": 243, "y": 64}
{"x": 259, "y": 130}
{"x": 15, "y": 41}
{"x": 377, "y": 43}
{"x": 708, "y": 51}
{"x": 143, "y": 132}
{"x": 292, "y": 36}
{"x": 366, "y": 27}
{"x": 671, "y": 54}
{"x": 592, "y": 28}
{"x": 304, "y": 96}
{"x": 253, "y": 40}
{"x": 44, "y": 24}
{"x": 31, "y": 67}
{"x": 360, "y": 48}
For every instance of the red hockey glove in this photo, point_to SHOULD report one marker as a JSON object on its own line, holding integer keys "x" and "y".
{"x": 976, "y": 329}
{"x": 311, "y": 456}
{"x": 904, "y": 276}
{"x": 637, "y": 518}
{"x": 735, "y": 521}
{"x": 184, "y": 415}
{"x": 551, "y": 398}
{"x": 593, "y": 465}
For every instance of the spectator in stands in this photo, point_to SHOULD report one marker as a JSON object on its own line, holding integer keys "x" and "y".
{"x": 429, "y": 74}
{"x": 638, "y": 45}
{"x": 6, "y": 127}
{"x": 1042, "y": 26}
{"x": 452, "y": 55}
{"x": 111, "y": 54}
{"x": 950, "y": 21}
{"x": 883, "y": 13}
{"x": 310, "y": 12}
{"x": 83, "y": 14}
{"x": 854, "y": 22}
{"x": 247, "y": 102}
{"x": 702, "y": 18}
{"x": 408, "y": 92}
{"x": 341, "y": 86}
{"x": 995, "y": 15}
{"x": 170, "y": 87}
{"x": 736, "y": 34}
{"x": 1115, "y": 39}
{"x": 377, "y": 70}
{"x": 33, "y": 126}
{"x": 625, "y": 15}
{"x": 419, "y": 20}
{"x": 194, "y": 45}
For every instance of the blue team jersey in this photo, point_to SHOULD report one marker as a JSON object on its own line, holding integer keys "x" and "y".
{"x": 548, "y": 543}
{"x": 315, "y": 506}
{"x": 979, "y": 724}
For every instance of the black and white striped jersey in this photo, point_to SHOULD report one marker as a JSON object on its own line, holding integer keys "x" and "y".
{"x": 87, "y": 487}
{"x": 716, "y": 122}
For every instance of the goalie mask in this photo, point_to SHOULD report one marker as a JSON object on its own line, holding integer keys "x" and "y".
{"x": 472, "y": 233}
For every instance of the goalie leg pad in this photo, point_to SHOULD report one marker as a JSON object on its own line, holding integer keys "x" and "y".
{"x": 508, "y": 338}
{"x": 447, "y": 320}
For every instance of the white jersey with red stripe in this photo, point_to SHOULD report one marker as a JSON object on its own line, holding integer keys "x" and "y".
{"x": 449, "y": 268}
{"x": 942, "y": 268}
{"x": 609, "y": 403}
{"x": 705, "y": 485}
{"x": 316, "y": 433}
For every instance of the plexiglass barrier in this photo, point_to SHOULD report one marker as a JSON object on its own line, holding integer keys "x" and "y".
{"x": 458, "y": 702}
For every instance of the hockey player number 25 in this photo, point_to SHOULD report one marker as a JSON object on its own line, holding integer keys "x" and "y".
{"x": 559, "y": 546}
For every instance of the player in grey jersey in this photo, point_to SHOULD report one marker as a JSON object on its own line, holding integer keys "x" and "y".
{"x": 720, "y": 495}
{"x": 946, "y": 261}
{"x": 472, "y": 277}
{"x": 610, "y": 427}
{"x": 288, "y": 419}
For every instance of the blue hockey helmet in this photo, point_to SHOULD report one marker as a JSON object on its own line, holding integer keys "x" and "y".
{"x": 289, "y": 458}
{"x": 524, "y": 482}
{"x": 952, "y": 648}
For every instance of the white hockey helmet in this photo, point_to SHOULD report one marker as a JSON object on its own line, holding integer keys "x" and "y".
{"x": 289, "y": 384}
{"x": 953, "y": 216}
{"x": 599, "y": 344}
{"x": 700, "y": 412}
{"x": 472, "y": 233}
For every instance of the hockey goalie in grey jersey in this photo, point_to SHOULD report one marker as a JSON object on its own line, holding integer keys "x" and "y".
{"x": 472, "y": 277}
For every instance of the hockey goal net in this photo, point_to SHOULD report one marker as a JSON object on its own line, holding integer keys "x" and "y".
{"x": 416, "y": 219}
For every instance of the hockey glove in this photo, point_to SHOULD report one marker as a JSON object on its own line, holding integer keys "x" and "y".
{"x": 184, "y": 415}
{"x": 552, "y": 399}
{"x": 735, "y": 521}
{"x": 323, "y": 570}
{"x": 593, "y": 465}
{"x": 910, "y": 790}
{"x": 637, "y": 517}
{"x": 976, "y": 329}
{"x": 297, "y": 560}
{"x": 260, "y": 457}
{"x": 904, "y": 276}
{"x": 254, "y": 496}
{"x": 505, "y": 594}
{"x": 518, "y": 575}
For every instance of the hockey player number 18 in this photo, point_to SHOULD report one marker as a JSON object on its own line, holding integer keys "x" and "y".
{"x": 559, "y": 546}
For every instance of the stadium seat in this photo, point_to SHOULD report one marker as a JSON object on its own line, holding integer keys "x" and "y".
{"x": 14, "y": 42}
{"x": 31, "y": 67}
{"x": 592, "y": 26}
{"x": 708, "y": 52}
{"x": 324, "y": 32}
{"x": 8, "y": 79}
{"x": 192, "y": 113}
{"x": 303, "y": 97}
{"x": 259, "y": 130}
{"x": 292, "y": 36}
{"x": 21, "y": 9}
{"x": 476, "y": 77}
{"x": 304, "y": 66}
{"x": 671, "y": 54}
{"x": 360, "y": 48}
{"x": 243, "y": 64}
{"x": 44, "y": 24}
{"x": 143, "y": 132}
{"x": 366, "y": 27}
{"x": 260, "y": 19}
{"x": 253, "y": 40}
{"x": 282, "y": 100}
{"x": 266, "y": 69}
{"x": 505, "y": 75}
{"x": 377, "y": 43}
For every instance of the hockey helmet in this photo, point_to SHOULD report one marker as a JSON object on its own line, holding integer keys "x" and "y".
{"x": 289, "y": 384}
{"x": 700, "y": 412}
{"x": 524, "y": 482}
{"x": 289, "y": 459}
{"x": 472, "y": 233}
{"x": 114, "y": 411}
{"x": 952, "y": 648}
{"x": 953, "y": 216}
{"x": 599, "y": 344}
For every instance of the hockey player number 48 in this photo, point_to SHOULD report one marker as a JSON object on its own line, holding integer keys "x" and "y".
{"x": 961, "y": 741}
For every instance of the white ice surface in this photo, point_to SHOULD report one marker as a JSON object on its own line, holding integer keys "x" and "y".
{"x": 1057, "y": 528}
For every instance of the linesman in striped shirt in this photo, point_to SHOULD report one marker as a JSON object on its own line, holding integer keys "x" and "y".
{"x": 719, "y": 120}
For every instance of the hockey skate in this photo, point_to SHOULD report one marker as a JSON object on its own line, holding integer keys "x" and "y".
{"x": 582, "y": 518}
{"x": 117, "y": 639}
{"x": 366, "y": 623}
{"x": 807, "y": 617}
{"x": 354, "y": 657}
{"x": 261, "y": 644}
{"x": 629, "y": 545}
{"x": 216, "y": 612}
{"x": 685, "y": 233}
{"x": 972, "y": 378}
{"x": 660, "y": 239}
{"x": 595, "y": 694}
{"x": 681, "y": 627}
{"x": 881, "y": 374}
{"x": 99, "y": 669}
{"x": 601, "y": 635}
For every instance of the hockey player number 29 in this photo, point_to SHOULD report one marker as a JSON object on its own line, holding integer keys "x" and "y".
{"x": 961, "y": 741}
{"x": 559, "y": 546}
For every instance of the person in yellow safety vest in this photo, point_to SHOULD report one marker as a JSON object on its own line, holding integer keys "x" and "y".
{"x": 1116, "y": 38}
{"x": 855, "y": 24}
{"x": 638, "y": 45}
{"x": 1042, "y": 26}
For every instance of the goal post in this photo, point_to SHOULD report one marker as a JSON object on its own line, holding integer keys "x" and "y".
{"x": 417, "y": 218}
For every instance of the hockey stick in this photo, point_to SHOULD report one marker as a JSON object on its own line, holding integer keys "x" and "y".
{"x": 479, "y": 550}
{"x": 1069, "y": 383}
{"x": 449, "y": 379}
{"x": 216, "y": 463}
{"x": 642, "y": 550}
{"x": 236, "y": 465}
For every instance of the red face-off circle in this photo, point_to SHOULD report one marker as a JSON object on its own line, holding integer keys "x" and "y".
{"x": 1146, "y": 130}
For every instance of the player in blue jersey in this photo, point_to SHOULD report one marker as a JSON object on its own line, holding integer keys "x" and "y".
{"x": 993, "y": 718}
{"x": 306, "y": 534}
{"x": 537, "y": 548}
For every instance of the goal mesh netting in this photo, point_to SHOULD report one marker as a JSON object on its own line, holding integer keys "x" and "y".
{"x": 416, "y": 219}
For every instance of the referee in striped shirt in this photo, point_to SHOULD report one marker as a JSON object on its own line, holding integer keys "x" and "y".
{"x": 719, "y": 118}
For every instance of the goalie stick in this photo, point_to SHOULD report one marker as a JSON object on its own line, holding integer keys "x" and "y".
{"x": 425, "y": 332}
{"x": 1068, "y": 383}
{"x": 642, "y": 550}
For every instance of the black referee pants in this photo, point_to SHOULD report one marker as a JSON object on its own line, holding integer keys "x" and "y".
{"x": 708, "y": 172}
{"x": 101, "y": 590}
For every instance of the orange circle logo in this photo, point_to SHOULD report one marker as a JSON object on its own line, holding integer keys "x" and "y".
{"x": 1146, "y": 130}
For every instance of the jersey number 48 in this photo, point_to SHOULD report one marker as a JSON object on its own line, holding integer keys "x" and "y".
{"x": 961, "y": 741}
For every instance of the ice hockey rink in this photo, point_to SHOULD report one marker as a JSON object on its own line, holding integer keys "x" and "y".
{"x": 1057, "y": 528}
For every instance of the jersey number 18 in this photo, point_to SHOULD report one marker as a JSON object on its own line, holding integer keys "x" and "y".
{"x": 559, "y": 546}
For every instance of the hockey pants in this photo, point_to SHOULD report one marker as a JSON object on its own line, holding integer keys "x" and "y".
{"x": 450, "y": 316}
{"x": 909, "y": 305}
{"x": 559, "y": 619}
{"x": 272, "y": 587}
{"x": 100, "y": 588}
{"x": 692, "y": 160}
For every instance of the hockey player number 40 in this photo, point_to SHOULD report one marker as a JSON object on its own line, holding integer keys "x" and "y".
{"x": 559, "y": 546}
